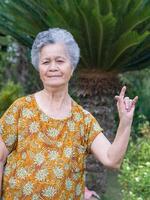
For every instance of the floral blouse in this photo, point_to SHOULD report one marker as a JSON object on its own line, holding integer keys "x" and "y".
{"x": 46, "y": 156}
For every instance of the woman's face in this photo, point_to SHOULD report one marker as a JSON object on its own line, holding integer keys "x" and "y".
{"x": 54, "y": 65}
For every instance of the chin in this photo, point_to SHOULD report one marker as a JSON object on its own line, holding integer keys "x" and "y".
{"x": 55, "y": 84}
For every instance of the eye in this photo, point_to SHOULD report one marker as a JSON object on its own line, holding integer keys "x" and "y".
{"x": 60, "y": 61}
{"x": 45, "y": 62}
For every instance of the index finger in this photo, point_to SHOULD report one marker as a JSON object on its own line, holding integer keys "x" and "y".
{"x": 122, "y": 93}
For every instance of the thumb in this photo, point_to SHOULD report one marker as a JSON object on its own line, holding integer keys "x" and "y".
{"x": 117, "y": 98}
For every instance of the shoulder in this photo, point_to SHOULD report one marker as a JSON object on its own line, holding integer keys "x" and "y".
{"x": 22, "y": 101}
{"x": 87, "y": 116}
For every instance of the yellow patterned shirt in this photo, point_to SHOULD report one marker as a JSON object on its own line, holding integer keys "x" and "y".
{"x": 46, "y": 156}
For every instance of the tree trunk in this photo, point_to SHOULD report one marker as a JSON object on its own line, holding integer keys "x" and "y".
{"x": 95, "y": 91}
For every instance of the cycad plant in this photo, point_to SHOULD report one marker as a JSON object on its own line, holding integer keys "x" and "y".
{"x": 114, "y": 37}
{"x": 112, "y": 34}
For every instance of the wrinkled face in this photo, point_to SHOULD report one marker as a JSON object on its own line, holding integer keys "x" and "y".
{"x": 54, "y": 65}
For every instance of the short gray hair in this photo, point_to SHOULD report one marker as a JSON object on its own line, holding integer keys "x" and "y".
{"x": 52, "y": 36}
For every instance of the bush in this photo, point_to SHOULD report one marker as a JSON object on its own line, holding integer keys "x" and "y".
{"x": 138, "y": 84}
{"x": 15, "y": 65}
{"x": 8, "y": 94}
{"x": 135, "y": 171}
{"x": 142, "y": 126}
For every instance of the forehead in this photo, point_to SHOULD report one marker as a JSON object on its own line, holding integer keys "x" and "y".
{"x": 53, "y": 50}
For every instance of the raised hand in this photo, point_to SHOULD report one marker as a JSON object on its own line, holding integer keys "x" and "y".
{"x": 125, "y": 105}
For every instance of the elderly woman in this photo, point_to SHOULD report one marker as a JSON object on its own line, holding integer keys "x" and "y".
{"x": 46, "y": 136}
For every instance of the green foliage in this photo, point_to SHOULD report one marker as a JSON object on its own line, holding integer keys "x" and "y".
{"x": 8, "y": 94}
{"x": 3, "y": 57}
{"x": 142, "y": 127}
{"x": 8, "y": 59}
{"x": 9, "y": 91}
{"x": 14, "y": 65}
{"x": 33, "y": 82}
{"x": 138, "y": 84}
{"x": 113, "y": 34}
{"x": 135, "y": 171}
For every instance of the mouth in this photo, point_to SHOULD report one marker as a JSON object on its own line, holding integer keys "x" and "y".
{"x": 54, "y": 76}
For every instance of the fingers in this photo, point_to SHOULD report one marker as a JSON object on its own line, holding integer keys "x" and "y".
{"x": 122, "y": 93}
{"x": 128, "y": 103}
{"x": 127, "y": 100}
{"x": 117, "y": 97}
{"x": 135, "y": 100}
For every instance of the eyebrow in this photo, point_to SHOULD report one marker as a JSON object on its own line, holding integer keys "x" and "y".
{"x": 57, "y": 57}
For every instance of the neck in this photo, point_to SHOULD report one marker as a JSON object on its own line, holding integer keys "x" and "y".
{"x": 56, "y": 96}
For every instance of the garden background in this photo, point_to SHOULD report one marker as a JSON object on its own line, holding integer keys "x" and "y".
{"x": 114, "y": 37}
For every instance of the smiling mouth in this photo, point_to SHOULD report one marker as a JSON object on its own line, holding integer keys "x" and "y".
{"x": 53, "y": 76}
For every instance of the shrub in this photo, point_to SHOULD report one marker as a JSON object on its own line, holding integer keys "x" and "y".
{"x": 138, "y": 84}
{"x": 8, "y": 94}
{"x": 15, "y": 65}
{"x": 135, "y": 171}
{"x": 143, "y": 126}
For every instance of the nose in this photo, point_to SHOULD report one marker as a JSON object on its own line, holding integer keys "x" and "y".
{"x": 53, "y": 66}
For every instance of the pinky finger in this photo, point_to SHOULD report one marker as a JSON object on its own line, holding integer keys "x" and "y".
{"x": 134, "y": 100}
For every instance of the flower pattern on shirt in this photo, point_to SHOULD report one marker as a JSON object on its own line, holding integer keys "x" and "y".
{"x": 41, "y": 174}
{"x": 28, "y": 188}
{"x": 68, "y": 152}
{"x": 39, "y": 158}
{"x": 27, "y": 113}
{"x": 53, "y": 155}
{"x": 10, "y": 139}
{"x": 9, "y": 119}
{"x": 68, "y": 184}
{"x": 34, "y": 127}
{"x": 53, "y": 132}
{"x": 58, "y": 172}
{"x": 22, "y": 173}
{"x": 12, "y": 182}
{"x": 49, "y": 192}
{"x": 35, "y": 197}
{"x": 46, "y": 156}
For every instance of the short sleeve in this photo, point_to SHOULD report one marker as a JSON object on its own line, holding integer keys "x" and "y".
{"x": 93, "y": 129}
{"x": 9, "y": 126}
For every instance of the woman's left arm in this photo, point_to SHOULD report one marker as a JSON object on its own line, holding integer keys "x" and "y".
{"x": 111, "y": 155}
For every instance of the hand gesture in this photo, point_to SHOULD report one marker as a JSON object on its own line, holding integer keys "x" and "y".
{"x": 125, "y": 106}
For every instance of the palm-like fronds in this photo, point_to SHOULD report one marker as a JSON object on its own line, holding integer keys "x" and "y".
{"x": 113, "y": 34}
